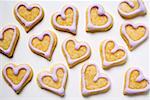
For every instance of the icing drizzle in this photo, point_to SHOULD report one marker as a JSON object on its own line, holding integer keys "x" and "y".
{"x": 131, "y": 4}
{"x": 16, "y": 70}
{"x": 101, "y": 12}
{"x": 73, "y": 27}
{"x": 139, "y": 78}
{"x": 29, "y": 7}
{"x": 132, "y": 42}
{"x": 8, "y": 51}
{"x": 99, "y": 75}
{"x": 116, "y": 47}
{"x": 59, "y": 91}
{"x": 48, "y": 53}
{"x": 77, "y": 46}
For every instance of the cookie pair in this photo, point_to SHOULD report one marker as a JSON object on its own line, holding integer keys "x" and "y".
{"x": 94, "y": 82}
{"x": 18, "y": 76}
{"x": 96, "y": 19}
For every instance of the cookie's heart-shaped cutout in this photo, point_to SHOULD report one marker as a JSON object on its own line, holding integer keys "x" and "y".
{"x": 75, "y": 52}
{"x": 43, "y": 44}
{"x": 8, "y": 40}
{"x": 93, "y": 81}
{"x": 98, "y": 19}
{"x": 135, "y": 82}
{"x": 133, "y": 35}
{"x": 66, "y": 20}
{"x": 28, "y": 15}
{"x": 17, "y": 76}
{"x": 112, "y": 54}
{"x": 54, "y": 81}
{"x": 132, "y": 8}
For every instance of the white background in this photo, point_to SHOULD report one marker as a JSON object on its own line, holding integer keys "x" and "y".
{"x": 23, "y": 55}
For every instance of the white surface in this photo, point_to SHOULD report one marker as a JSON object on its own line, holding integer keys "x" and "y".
{"x": 23, "y": 55}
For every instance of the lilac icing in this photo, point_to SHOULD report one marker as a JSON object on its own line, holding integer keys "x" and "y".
{"x": 101, "y": 11}
{"x": 16, "y": 70}
{"x": 48, "y": 53}
{"x": 139, "y": 78}
{"x": 77, "y": 46}
{"x": 107, "y": 63}
{"x": 131, "y": 4}
{"x": 71, "y": 28}
{"x": 132, "y": 42}
{"x": 59, "y": 91}
{"x": 99, "y": 75}
{"x": 13, "y": 39}
{"x": 29, "y": 7}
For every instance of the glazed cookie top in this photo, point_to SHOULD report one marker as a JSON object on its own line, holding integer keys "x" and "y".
{"x": 132, "y": 7}
{"x": 16, "y": 71}
{"x": 141, "y": 82}
{"x": 101, "y": 13}
{"x": 8, "y": 34}
{"x": 91, "y": 75}
{"x": 62, "y": 15}
{"x": 140, "y": 34}
{"x": 21, "y": 7}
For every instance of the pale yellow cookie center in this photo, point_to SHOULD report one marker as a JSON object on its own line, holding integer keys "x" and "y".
{"x": 41, "y": 44}
{"x": 27, "y": 14}
{"x": 89, "y": 74}
{"x": 69, "y": 18}
{"x": 97, "y": 19}
{"x": 113, "y": 56}
{"x": 135, "y": 34}
{"x": 7, "y": 38}
{"x": 126, "y": 8}
{"x": 47, "y": 80}
{"x": 75, "y": 53}
{"x": 133, "y": 83}
{"x": 16, "y": 79}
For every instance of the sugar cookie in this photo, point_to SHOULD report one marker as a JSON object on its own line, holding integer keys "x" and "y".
{"x": 28, "y": 15}
{"x": 75, "y": 52}
{"x": 66, "y": 20}
{"x": 54, "y": 81}
{"x": 135, "y": 82}
{"x": 112, "y": 54}
{"x": 92, "y": 81}
{"x": 131, "y": 8}
{"x": 43, "y": 44}
{"x": 97, "y": 19}
{"x": 133, "y": 34}
{"x": 17, "y": 76}
{"x": 9, "y": 37}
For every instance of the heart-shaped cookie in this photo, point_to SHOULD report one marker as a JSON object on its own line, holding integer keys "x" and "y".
{"x": 43, "y": 44}
{"x": 131, "y": 8}
{"x": 133, "y": 34}
{"x": 54, "y": 81}
{"x": 97, "y": 19}
{"x": 75, "y": 52}
{"x": 17, "y": 76}
{"x": 112, "y": 54}
{"x": 92, "y": 81}
{"x": 28, "y": 15}
{"x": 66, "y": 20}
{"x": 135, "y": 82}
{"x": 9, "y": 36}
